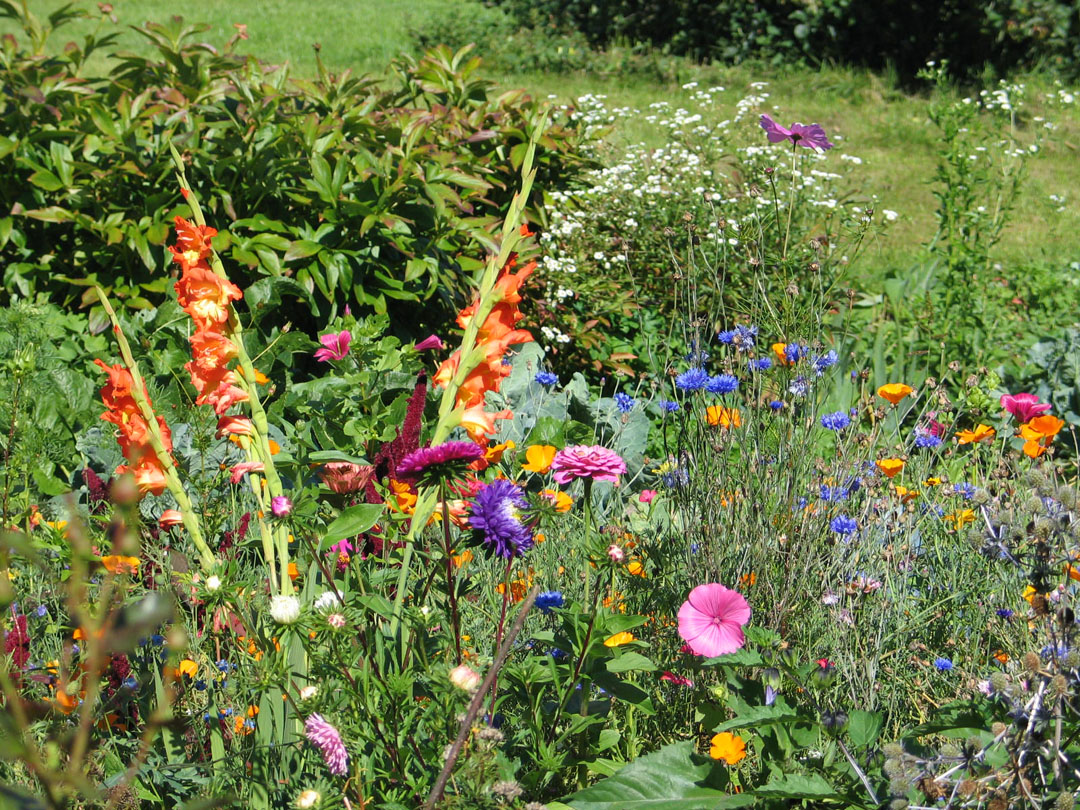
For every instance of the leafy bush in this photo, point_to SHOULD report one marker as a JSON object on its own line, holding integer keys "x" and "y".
{"x": 331, "y": 191}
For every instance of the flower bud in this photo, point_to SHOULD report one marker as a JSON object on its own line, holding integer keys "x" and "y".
{"x": 308, "y": 692}
{"x": 465, "y": 678}
{"x": 308, "y": 798}
{"x": 213, "y": 583}
{"x": 280, "y": 506}
{"x": 615, "y": 553}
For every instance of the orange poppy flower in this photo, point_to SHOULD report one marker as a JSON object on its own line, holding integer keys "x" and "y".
{"x": 538, "y": 458}
{"x": 463, "y": 558}
{"x": 724, "y": 417}
{"x": 188, "y": 668}
{"x": 781, "y": 354}
{"x": 981, "y": 433}
{"x": 120, "y": 565}
{"x": 894, "y": 392}
{"x": 890, "y": 466}
{"x": 635, "y": 568}
{"x": 1039, "y": 433}
{"x": 728, "y": 747}
{"x": 563, "y": 502}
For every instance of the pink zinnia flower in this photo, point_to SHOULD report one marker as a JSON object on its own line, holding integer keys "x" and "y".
{"x": 1024, "y": 407}
{"x": 344, "y": 477}
{"x": 812, "y": 136}
{"x": 327, "y": 739}
{"x": 280, "y": 506}
{"x": 711, "y": 620}
{"x": 335, "y": 347}
{"x": 583, "y": 461}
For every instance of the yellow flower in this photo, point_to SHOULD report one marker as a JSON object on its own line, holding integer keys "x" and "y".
{"x": 905, "y": 494}
{"x": 539, "y": 458}
{"x": 960, "y": 519}
{"x": 933, "y": 481}
{"x": 724, "y": 417}
{"x": 619, "y": 639}
{"x": 890, "y": 466}
{"x": 894, "y": 392}
{"x": 186, "y": 667}
{"x": 728, "y": 747}
{"x": 635, "y": 568}
{"x": 120, "y": 565}
{"x": 979, "y": 434}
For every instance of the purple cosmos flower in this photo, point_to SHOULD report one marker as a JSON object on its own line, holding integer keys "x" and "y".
{"x": 335, "y": 346}
{"x": 496, "y": 516}
{"x": 812, "y": 136}
{"x": 440, "y": 461}
{"x": 327, "y": 739}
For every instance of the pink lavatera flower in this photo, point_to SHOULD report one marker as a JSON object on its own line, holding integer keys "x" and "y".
{"x": 335, "y": 346}
{"x": 1024, "y": 407}
{"x": 711, "y": 620}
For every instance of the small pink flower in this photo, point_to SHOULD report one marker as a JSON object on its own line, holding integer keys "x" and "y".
{"x": 712, "y": 618}
{"x": 584, "y": 461}
{"x": 1024, "y": 407}
{"x": 811, "y": 136}
{"x": 678, "y": 680}
{"x": 432, "y": 342}
{"x": 615, "y": 553}
{"x": 647, "y": 495}
{"x": 335, "y": 346}
{"x": 328, "y": 740}
{"x": 342, "y": 547}
{"x": 240, "y": 470}
{"x": 280, "y": 506}
{"x": 335, "y": 620}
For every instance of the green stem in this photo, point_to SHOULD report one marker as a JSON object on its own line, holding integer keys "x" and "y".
{"x": 791, "y": 200}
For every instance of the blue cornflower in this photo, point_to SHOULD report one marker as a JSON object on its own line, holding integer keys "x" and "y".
{"x": 793, "y": 352}
{"x": 1004, "y": 613}
{"x": 495, "y": 516}
{"x": 223, "y": 665}
{"x": 200, "y": 685}
{"x": 842, "y": 524}
{"x": 696, "y": 355}
{"x": 744, "y": 337}
{"x": 679, "y": 477}
{"x": 667, "y": 406}
{"x": 964, "y": 490}
{"x": 624, "y": 402}
{"x": 942, "y": 664}
{"x": 825, "y": 361}
{"x": 130, "y": 683}
{"x": 727, "y": 337}
{"x": 799, "y": 387}
{"x": 693, "y": 379}
{"x": 546, "y": 378}
{"x": 157, "y": 639}
{"x": 927, "y": 440}
{"x": 776, "y": 405}
{"x": 550, "y": 599}
{"x": 835, "y": 421}
{"x": 760, "y": 364}
{"x": 722, "y": 384}
{"x": 42, "y": 611}
{"x": 834, "y": 494}
{"x": 556, "y": 653}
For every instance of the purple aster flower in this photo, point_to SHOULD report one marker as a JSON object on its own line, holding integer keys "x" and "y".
{"x": 835, "y": 421}
{"x": 546, "y": 378}
{"x": 721, "y": 384}
{"x": 811, "y": 136}
{"x": 327, "y": 739}
{"x": 496, "y": 516}
{"x": 624, "y": 402}
{"x": 693, "y": 379}
{"x": 441, "y": 461}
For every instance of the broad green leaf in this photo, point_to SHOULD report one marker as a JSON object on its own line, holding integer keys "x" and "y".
{"x": 353, "y": 521}
{"x": 630, "y": 662}
{"x": 797, "y": 786}
{"x": 759, "y": 716}
{"x": 672, "y": 778}
{"x": 46, "y": 180}
{"x": 863, "y": 727}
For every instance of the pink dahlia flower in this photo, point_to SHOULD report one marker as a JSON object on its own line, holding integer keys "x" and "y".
{"x": 811, "y": 136}
{"x": 1024, "y": 407}
{"x": 335, "y": 347}
{"x": 344, "y": 477}
{"x": 583, "y": 461}
{"x": 712, "y": 618}
{"x": 327, "y": 739}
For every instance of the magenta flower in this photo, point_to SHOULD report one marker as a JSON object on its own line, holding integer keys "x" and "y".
{"x": 432, "y": 342}
{"x": 280, "y": 506}
{"x": 647, "y": 495}
{"x": 711, "y": 620}
{"x": 1024, "y": 407}
{"x": 335, "y": 347}
{"x": 440, "y": 461}
{"x": 327, "y": 739}
{"x": 678, "y": 680}
{"x": 584, "y": 461}
{"x": 812, "y": 136}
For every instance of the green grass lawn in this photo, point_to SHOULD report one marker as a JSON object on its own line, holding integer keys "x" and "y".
{"x": 888, "y": 129}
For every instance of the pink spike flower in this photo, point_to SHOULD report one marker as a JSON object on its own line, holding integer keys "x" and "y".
{"x": 711, "y": 620}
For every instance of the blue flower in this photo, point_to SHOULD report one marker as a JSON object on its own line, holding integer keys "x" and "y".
{"x": 550, "y": 599}
{"x": 1004, "y": 613}
{"x": 624, "y": 402}
{"x": 667, "y": 406}
{"x": 842, "y": 524}
{"x": 726, "y": 337}
{"x": 825, "y": 361}
{"x": 761, "y": 364}
{"x": 799, "y": 386}
{"x": 722, "y": 384}
{"x": 776, "y": 405}
{"x": 744, "y": 337}
{"x": 693, "y": 379}
{"x": 42, "y": 611}
{"x": 964, "y": 490}
{"x": 927, "y": 440}
{"x": 495, "y": 516}
{"x": 546, "y": 378}
{"x": 942, "y": 664}
{"x": 835, "y": 421}
{"x": 696, "y": 355}
{"x": 793, "y": 352}
{"x": 834, "y": 494}
{"x": 130, "y": 683}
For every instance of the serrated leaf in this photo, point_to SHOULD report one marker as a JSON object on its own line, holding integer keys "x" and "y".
{"x": 672, "y": 778}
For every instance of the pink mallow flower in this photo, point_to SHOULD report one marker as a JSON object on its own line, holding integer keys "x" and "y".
{"x": 712, "y": 618}
{"x": 585, "y": 461}
{"x": 647, "y": 495}
{"x": 1024, "y": 407}
{"x": 678, "y": 680}
{"x": 335, "y": 346}
{"x": 811, "y": 136}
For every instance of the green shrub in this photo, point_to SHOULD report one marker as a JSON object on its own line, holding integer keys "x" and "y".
{"x": 336, "y": 190}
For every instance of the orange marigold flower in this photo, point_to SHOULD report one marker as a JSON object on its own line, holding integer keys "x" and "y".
{"x": 894, "y": 392}
{"x": 206, "y": 297}
{"x": 728, "y": 747}
{"x": 981, "y": 433}
{"x": 724, "y": 417}
{"x": 538, "y": 458}
{"x": 619, "y": 639}
{"x": 890, "y": 466}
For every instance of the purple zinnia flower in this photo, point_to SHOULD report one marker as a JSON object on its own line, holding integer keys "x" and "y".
{"x": 495, "y": 515}
{"x": 811, "y": 136}
{"x": 442, "y": 460}
{"x": 327, "y": 739}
